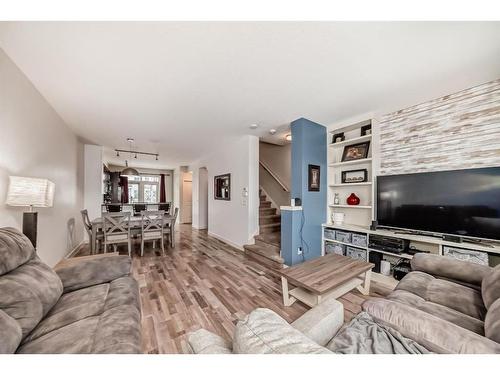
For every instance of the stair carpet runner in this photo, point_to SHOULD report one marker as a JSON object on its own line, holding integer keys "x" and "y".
{"x": 266, "y": 250}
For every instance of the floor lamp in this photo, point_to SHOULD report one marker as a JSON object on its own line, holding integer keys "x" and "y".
{"x": 30, "y": 192}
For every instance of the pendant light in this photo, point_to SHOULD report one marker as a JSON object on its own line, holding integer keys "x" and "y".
{"x": 129, "y": 171}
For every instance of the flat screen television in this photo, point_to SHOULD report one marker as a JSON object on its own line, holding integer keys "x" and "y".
{"x": 464, "y": 203}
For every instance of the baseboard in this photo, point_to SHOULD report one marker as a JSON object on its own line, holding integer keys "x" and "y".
{"x": 225, "y": 240}
{"x": 75, "y": 250}
{"x": 198, "y": 227}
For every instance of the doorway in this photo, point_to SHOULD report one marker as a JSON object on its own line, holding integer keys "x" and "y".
{"x": 203, "y": 198}
{"x": 187, "y": 198}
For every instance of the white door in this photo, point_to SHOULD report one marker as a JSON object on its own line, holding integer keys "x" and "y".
{"x": 187, "y": 204}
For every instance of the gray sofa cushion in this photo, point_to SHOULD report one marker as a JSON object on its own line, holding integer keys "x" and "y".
{"x": 265, "y": 332}
{"x": 28, "y": 292}
{"x": 465, "y": 300}
{"x": 490, "y": 287}
{"x": 492, "y": 322}
{"x": 449, "y": 268}
{"x": 99, "y": 319}
{"x": 443, "y": 312}
{"x": 11, "y": 334}
{"x": 82, "y": 273}
{"x": 15, "y": 249}
{"x": 206, "y": 342}
{"x": 436, "y": 334}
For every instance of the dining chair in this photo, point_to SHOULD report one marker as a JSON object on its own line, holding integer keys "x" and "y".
{"x": 164, "y": 207}
{"x": 116, "y": 228}
{"x": 88, "y": 227}
{"x": 171, "y": 228}
{"x": 152, "y": 228}
{"x": 114, "y": 207}
{"x": 138, "y": 208}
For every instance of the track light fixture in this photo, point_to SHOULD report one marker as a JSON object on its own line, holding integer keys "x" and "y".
{"x": 135, "y": 153}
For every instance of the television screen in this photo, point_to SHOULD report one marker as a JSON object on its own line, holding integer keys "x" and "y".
{"x": 462, "y": 202}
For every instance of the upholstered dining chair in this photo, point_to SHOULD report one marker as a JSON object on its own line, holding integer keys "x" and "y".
{"x": 138, "y": 208}
{"x": 152, "y": 226}
{"x": 114, "y": 207}
{"x": 116, "y": 228}
{"x": 88, "y": 227}
{"x": 164, "y": 207}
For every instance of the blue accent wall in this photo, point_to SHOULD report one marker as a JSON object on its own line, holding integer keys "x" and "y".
{"x": 309, "y": 146}
{"x": 290, "y": 236}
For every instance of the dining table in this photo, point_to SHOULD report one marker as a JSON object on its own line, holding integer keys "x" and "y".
{"x": 135, "y": 228}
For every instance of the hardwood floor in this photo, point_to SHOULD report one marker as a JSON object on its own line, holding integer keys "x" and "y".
{"x": 204, "y": 283}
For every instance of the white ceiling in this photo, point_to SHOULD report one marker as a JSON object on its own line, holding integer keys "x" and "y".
{"x": 184, "y": 89}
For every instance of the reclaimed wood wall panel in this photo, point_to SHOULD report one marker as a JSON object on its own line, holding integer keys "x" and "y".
{"x": 457, "y": 131}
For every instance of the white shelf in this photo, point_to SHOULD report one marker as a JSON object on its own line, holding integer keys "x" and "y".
{"x": 345, "y": 243}
{"x": 349, "y": 206}
{"x": 351, "y": 162}
{"x": 352, "y": 184}
{"x": 405, "y": 256}
{"x": 352, "y": 141}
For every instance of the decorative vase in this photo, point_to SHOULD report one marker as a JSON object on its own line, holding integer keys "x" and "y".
{"x": 353, "y": 200}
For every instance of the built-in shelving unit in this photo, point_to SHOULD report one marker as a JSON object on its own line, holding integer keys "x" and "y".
{"x": 357, "y": 214}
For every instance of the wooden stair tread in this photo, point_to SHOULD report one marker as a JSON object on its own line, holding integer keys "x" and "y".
{"x": 266, "y": 252}
{"x": 275, "y": 216}
{"x": 270, "y": 238}
{"x": 270, "y": 225}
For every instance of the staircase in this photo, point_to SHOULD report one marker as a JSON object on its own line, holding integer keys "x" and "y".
{"x": 266, "y": 250}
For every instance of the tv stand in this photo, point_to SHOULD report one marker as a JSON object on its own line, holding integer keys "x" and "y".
{"x": 423, "y": 241}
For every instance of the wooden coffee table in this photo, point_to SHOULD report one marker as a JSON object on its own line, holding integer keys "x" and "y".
{"x": 329, "y": 276}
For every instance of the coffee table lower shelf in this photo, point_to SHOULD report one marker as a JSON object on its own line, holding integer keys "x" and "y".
{"x": 362, "y": 283}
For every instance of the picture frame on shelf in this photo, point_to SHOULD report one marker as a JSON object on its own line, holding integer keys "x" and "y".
{"x": 338, "y": 137}
{"x": 356, "y": 151}
{"x": 314, "y": 178}
{"x": 354, "y": 176}
{"x": 366, "y": 130}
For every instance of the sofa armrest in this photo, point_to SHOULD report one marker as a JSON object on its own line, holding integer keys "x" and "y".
{"x": 322, "y": 322}
{"x": 83, "y": 273}
{"x": 449, "y": 268}
{"x": 435, "y": 334}
{"x": 206, "y": 342}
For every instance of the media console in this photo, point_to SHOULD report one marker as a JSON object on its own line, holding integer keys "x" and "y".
{"x": 354, "y": 240}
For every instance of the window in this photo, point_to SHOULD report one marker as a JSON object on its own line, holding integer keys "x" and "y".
{"x": 133, "y": 192}
{"x": 144, "y": 188}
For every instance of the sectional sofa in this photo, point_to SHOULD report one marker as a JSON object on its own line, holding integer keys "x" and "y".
{"x": 88, "y": 306}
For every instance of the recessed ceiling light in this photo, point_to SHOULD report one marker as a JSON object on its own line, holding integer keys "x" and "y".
{"x": 272, "y": 131}
{"x": 288, "y": 137}
{"x": 254, "y": 126}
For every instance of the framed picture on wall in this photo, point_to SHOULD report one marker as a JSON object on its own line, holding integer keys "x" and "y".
{"x": 314, "y": 177}
{"x": 222, "y": 187}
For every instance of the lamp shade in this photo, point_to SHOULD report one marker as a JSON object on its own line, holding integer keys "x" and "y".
{"x": 28, "y": 191}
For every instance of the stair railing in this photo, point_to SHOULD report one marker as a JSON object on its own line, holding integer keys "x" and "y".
{"x": 273, "y": 175}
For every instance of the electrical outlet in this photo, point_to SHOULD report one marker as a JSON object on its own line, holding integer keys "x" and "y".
{"x": 299, "y": 251}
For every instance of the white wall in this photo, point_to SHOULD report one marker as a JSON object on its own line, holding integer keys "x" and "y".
{"x": 93, "y": 181}
{"x": 278, "y": 159}
{"x": 37, "y": 143}
{"x": 202, "y": 199}
{"x": 234, "y": 221}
